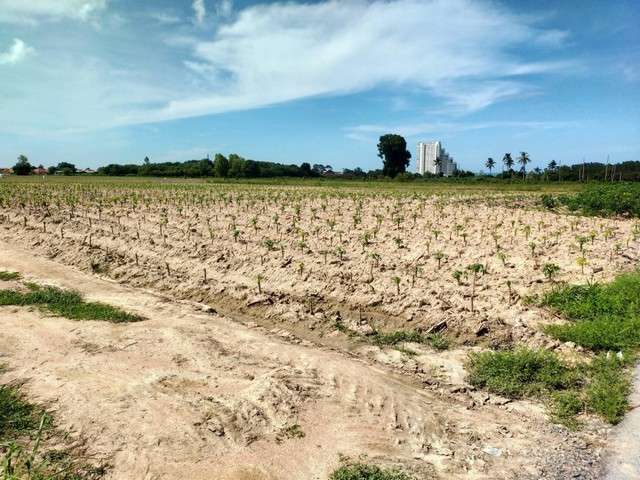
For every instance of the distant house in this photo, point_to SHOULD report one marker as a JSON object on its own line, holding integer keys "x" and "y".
{"x": 6, "y": 171}
{"x": 88, "y": 171}
{"x": 39, "y": 171}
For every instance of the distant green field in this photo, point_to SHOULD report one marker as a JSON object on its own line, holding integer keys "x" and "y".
{"x": 435, "y": 185}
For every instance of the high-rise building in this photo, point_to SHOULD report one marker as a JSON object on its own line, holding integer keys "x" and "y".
{"x": 433, "y": 158}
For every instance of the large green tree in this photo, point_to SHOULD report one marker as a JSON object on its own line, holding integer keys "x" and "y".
{"x": 66, "y": 168}
{"x": 393, "y": 150}
{"x": 23, "y": 167}
{"x": 221, "y": 165}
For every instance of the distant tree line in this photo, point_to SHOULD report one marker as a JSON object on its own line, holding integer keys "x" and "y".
{"x": 232, "y": 167}
{"x": 582, "y": 172}
{"x": 392, "y": 149}
{"x": 24, "y": 167}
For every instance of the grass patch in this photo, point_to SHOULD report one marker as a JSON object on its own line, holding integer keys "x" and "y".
{"x": 600, "y": 386}
{"x": 26, "y": 431}
{"x": 8, "y": 276}
{"x": 17, "y": 416}
{"x": 436, "y": 340}
{"x": 361, "y": 471}
{"x": 564, "y": 407}
{"x": 66, "y": 303}
{"x": 520, "y": 373}
{"x": 603, "y": 317}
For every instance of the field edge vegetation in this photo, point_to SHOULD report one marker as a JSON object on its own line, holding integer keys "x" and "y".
{"x": 602, "y": 318}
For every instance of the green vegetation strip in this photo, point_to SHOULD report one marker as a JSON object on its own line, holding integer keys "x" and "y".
{"x": 360, "y": 471}
{"x": 65, "y": 303}
{"x": 602, "y": 318}
{"x": 600, "y": 199}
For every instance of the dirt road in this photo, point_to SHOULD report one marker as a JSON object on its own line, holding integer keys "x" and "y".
{"x": 190, "y": 394}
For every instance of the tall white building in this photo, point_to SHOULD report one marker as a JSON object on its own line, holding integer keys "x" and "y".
{"x": 428, "y": 155}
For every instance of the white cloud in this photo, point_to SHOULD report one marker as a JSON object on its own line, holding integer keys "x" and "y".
{"x": 463, "y": 52}
{"x": 200, "y": 11}
{"x": 33, "y": 11}
{"x": 17, "y": 52}
{"x": 274, "y": 53}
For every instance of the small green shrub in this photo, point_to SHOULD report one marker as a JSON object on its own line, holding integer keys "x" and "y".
{"x": 520, "y": 373}
{"x": 361, "y": 471}
{"x": 549, "y": 201}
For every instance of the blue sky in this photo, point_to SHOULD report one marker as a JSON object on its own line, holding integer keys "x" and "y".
{"x": 101, "y": 81}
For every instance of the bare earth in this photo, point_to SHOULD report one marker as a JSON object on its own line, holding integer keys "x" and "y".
{"x": 187, "y": 394}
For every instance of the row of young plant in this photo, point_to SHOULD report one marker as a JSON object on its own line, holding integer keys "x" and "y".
{"x": 379, "y": 229}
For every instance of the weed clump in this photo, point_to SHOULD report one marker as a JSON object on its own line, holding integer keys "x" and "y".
{"x": 361, "y": 471}
{"x": 7, "y": 276}
{"x": 604, "y": 318}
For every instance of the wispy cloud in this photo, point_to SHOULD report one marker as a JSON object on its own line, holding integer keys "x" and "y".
{"x": 17, "y": 52}
{"x": 280, "y": 52}
{"x": 34, "y": 11}
{"x": 224, "y": 8}
{"x": 370, "y": 132}
{"x": 200, "y": 11}
{"x": 164, "y": 17}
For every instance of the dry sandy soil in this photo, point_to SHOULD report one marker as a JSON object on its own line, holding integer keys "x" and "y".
{"x": 187, "y": 394}
{"x": 210, "y": 384}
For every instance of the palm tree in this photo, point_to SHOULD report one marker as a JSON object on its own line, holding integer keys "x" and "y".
{"x": 490, "y": 163}
{"x": 523, "y": 159}
{"x": 438, "y": 164}
{"x": 551, "y": 167}
{"x": 508, "y": 162}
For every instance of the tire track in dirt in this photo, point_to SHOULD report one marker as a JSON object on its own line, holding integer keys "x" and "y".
{"x": 194, "y": 395}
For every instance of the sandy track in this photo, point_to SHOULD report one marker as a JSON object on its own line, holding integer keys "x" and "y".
{"x": 186, "y": 394}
